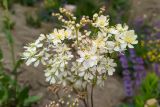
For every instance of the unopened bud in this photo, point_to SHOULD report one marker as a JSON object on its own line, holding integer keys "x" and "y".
{"x": 95, "y": 15}
{"x": 77, "y": 25}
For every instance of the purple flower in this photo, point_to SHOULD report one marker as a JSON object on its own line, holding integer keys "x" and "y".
{"x": 124, "y": 62}
{"x": 139, "y": 60}
{"x": 132, "y": 53}
{"x": 158, "y": 35}
{"x": 138, "y": 67}
{"x": 126, "y": 72}
{"x": 156, "y": 24}
{"x": 138, "y": 22}
{"x": 156, "y": 69}
{"x": 128, "y": 85}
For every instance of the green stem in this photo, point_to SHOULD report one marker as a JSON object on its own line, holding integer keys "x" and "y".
{"x": 77, "y": 36}
{"x": 13, "y": 55}
{"x": 92, "y": 105}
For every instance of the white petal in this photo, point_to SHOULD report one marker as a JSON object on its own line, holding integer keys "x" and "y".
{"x": 80, "y": 60}
{"x": 86, "y": 64}
{"x": 53, "y": 81}
{"x": 86, "y": 76}
{"x": 36, "y": 63}
{"x": 81, "y": 74}
{"x": 110, "y": 72}
{"x": 123, "y": 46}
{"x": 31, "y": 60}
{"x": 116, "y": 48}
{"x": 130, "y": 46}
{"x": 48, "y": 78}
{"x": 47, "y": 74}
{"x": 135, "y": 42}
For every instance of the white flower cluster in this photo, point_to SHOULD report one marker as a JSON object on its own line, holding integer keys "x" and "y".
{"x": 80, "y": 53}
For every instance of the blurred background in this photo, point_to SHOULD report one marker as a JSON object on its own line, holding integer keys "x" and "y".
{"x": 137, "y": 79}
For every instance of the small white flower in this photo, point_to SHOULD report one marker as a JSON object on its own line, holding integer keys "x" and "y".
{"x": 121, "y": 28}
{"x": 129, "y": 38}
{"x": 57, "y": 36}
{"x": 87, "y": 58}
{"x": 110, "y": 66}
{"x": 113, "y": 31}
{"x": 102, "y": 21}
{"x": 68, "y": 33}
{"x": 100, "y": 40}
{"x": 39, "y": 40}
{"x": 110, "y": 46}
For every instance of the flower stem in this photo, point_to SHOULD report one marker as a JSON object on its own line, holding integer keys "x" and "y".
{"x": 92, "y": 105}
{"x": 85, "y": 103}
{"x": 77, "y": 36}
{"x": 58, "y": 97}
{"x": 13, "y": 55}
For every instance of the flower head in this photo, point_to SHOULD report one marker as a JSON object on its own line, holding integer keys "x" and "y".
{"x": 102, "y": 21}
{"x": 76, "y": 56}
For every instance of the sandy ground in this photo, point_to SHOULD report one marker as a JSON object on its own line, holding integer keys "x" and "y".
{"x": 111, "y": 95}
{"x": 149, "y": 9}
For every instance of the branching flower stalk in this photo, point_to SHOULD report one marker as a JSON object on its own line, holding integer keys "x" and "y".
{"x": 79, "y": 54}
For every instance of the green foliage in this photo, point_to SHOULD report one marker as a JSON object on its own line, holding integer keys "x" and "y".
{"x": 148, "y": 89}
{"x": 84, "y": 7}
{"x": 48, "y": 7}
{"x": 1, "y": 59}
{"x": 33, "y": 21}
{"x": 87, "y": 7}
{"x": 7, "y": 23}
{"x": 119, "y": 10}
{"x": 127, "y": 105}
{"x": 6, "y": 3}
{"x": 52, "y": 4}
{"x": 1, "y": 54}
{"x": 11, "y": 93}
{"x": 27, "y": 2}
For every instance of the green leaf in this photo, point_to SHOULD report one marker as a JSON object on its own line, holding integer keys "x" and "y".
{"x": 31, "y": 99}
{"x": 5, "y": 79}
{"x": 22, "y": 95}
{"x": 148, "y": 89}
{"x": 5, "y": 4}
{"x": 4, "y": 95}
{"x": 139, "y": 101}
